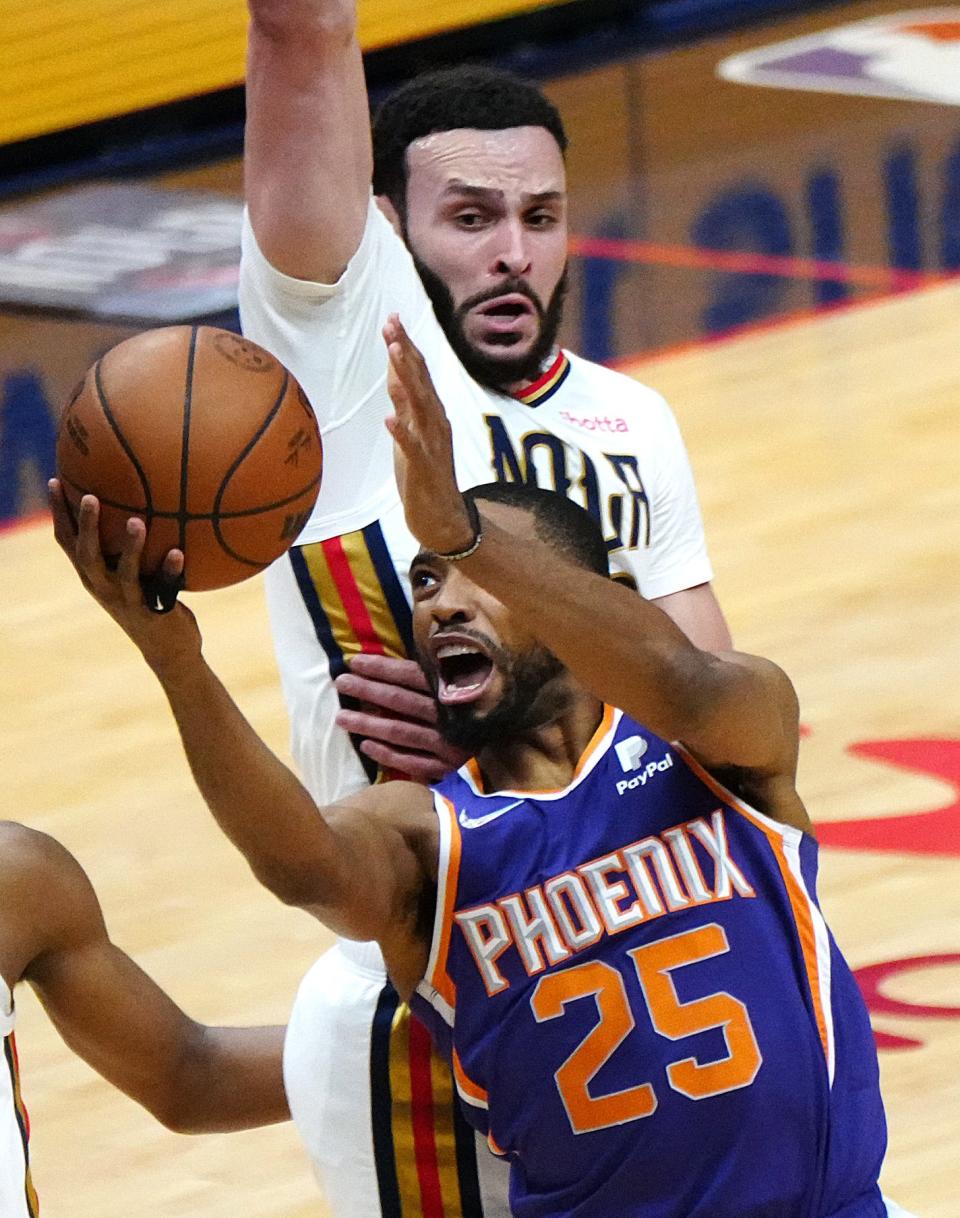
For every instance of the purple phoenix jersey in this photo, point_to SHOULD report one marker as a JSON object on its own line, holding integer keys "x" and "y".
{"x": 645, "y": 1009}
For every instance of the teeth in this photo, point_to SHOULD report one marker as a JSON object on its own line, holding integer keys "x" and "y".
{"x": 456, "y": 649}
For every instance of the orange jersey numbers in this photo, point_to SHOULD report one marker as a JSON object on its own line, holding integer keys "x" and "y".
{"x": 670, "y": 1017}
{"x": 604, "y": 984}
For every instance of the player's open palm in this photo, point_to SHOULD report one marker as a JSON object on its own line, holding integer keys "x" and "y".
{"x": 423, "y": 449}
{"x": 117, "y": 586}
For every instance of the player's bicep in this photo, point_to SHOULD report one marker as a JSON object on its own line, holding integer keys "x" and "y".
{"x": 677, "y": 557}
{"x": 746, "y": 715}
{"x": 385, "y": 874}
{"x": 698, "y": 614}
{"x": 103, "y": 1005}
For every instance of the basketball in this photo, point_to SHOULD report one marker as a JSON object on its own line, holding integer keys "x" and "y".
{"x": 203, "y": 435}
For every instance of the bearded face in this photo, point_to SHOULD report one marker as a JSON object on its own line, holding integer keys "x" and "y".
{"x": 503, "y": 359}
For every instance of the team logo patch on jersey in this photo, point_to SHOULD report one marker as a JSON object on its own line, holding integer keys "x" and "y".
{"x": 630, "y": 751}
{"x": 912, "y": 55}
{"x": 474, "y": 822}
{"x": 644, "y": 774}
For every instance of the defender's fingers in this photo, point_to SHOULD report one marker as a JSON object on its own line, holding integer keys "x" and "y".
{"x": 405, "y": 702}
{"x": 416, "y": 767}
{"x": 389, "y": 669}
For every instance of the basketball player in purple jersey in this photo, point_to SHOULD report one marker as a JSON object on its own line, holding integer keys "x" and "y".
{"x": 609, "y": 916}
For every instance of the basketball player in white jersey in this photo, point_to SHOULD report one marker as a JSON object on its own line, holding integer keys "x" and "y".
{"x": 465, "y": 236}
{"x": 193, "y": 1078}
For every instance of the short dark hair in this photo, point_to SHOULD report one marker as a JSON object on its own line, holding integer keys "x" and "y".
{"x": 557, "y": 520}
{"x": 448, "y": 99}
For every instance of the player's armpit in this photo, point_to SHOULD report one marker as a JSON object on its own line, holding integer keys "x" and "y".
{"x": 746, "y": 733}
{"x": 387, "y": 840}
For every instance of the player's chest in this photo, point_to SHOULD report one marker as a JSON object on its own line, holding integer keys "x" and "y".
{"x": 606, "y": 471}
{"x": 541, "y": 885}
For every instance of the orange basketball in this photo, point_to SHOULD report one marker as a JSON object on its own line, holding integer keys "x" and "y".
{"x": 207, "y": 438}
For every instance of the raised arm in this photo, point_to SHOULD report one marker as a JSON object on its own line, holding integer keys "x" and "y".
{"x": 193, "y": 1078}
{"x": 734, "y": 712}
{"x": 362, "y": 866}
{"x": 307, "y": 151}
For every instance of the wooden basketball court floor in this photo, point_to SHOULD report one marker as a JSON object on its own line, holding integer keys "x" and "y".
{"x": 825, "y": 451}
{"x": 826, "y": 455}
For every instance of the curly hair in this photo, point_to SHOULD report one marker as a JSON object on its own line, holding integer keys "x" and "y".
{"x": 470, "y": 95}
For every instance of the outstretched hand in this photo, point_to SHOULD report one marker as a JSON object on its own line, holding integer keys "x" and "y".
{"x": 162, "y": 638}
{"x": 435, "y": 510}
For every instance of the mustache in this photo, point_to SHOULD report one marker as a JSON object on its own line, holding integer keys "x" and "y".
{"x": 509, "y": 287}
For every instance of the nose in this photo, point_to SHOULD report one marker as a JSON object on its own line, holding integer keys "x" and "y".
{"x": 451, "y": 605}
{"x": 513, "y": 257}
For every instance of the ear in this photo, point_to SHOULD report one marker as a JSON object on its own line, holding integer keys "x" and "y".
{"x": 391, "y": 213}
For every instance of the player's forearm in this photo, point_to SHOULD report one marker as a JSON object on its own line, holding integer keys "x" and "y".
{"x": 307, "y": 149}
{"x": 228, "y": 1079}
{"x": 257, "y": 801}
{"x": 623, "y": 648}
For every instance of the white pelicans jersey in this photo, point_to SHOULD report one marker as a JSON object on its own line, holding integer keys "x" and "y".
{"x": 598, "y": 436}
{"x": 401, "y": 1146}
{"x": 17, "y": 1196}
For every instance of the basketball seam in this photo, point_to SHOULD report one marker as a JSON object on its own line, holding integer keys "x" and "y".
{"x": 185, "y": 445}
{"x": 174, "y": 514}
{"x": 242, "y": 456}
{"x": 122, "y": 440}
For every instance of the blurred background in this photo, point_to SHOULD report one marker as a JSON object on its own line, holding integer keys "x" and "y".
{"x": 765, "y": 207}
{"x": 731, "y": 161}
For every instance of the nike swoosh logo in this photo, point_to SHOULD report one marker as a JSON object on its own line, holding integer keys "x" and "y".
{"x": 474, "y": 822}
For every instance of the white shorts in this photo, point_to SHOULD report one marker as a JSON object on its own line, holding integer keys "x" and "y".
{"x": 352, "y": 1064}
{"x": 896, "y": 1211}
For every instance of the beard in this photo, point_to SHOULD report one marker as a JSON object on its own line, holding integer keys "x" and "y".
{"x": 495, "y": 371}
{"x": 527, "y": 700}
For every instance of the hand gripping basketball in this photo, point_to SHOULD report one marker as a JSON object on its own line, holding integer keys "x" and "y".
{"x": 204, "y": 436}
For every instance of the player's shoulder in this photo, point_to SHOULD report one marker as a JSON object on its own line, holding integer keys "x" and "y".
{"x": 29, "y": 856}
{"x": 589, "y": 379}
{"x": 45, "y": 896}
{"x": 21, "y": 846}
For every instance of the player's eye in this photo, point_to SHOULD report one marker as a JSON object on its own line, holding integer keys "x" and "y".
{"x": 422, "y": 580}
{"x": 469, "y": 219}
{"x": 541, "y": 219}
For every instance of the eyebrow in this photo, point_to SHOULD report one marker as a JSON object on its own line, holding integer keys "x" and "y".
{"x": 458, "y": 187}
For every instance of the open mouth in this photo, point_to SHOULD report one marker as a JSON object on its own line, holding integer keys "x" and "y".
{"x": 504, "y": 318}
{"x": 512, "y": 306}
{"x": 464, "y": 671}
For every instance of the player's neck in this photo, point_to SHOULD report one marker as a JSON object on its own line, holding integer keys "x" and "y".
{"x": 544, "y": 758}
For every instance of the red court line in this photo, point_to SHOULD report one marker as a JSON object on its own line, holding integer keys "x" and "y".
{"x": 741, "y": 262}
